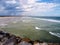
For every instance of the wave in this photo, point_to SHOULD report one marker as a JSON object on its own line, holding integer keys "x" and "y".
{"x": 37, "y": 28}
{"x": 55, "y": 34}
{"x": 3, "y": 24}
{"x": 51, "y": 20}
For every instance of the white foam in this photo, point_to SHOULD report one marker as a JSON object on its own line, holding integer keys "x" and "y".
{"x": 51, "y": 20}
{"x": 23, "y": 20}
{"x": 26, "y": 21}
{"x": 55, "y": 34}
{"x": 3, "y": 24}
{"x": 37, "y": 28}
{"x": 14, "y": 22}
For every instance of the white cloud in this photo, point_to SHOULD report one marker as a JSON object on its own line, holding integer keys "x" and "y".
{"x": 27, "y": 4}
{"x": 2, "y": 8}
{"x": 42, "y": 7}
{"x": 11, "y": 1}
{"x": 18, "y": 7}
{"x": 32, "y": 5}
{"x": 31, "y": 1}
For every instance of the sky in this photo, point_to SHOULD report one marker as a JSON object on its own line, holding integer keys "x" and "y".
{"x": 30, "y": 7}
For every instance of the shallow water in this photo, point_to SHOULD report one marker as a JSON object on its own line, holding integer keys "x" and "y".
{"x": 30, "y": 27}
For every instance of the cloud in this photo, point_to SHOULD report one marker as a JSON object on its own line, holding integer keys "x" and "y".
{"x": 48, "y": 1}
{"x": 26, "y": 7}
{"x": 10, "y": 8}
{"x": 31, "y": 1}
{"x": 27, "y": 4}
{"x": 42, "y": 7}
{"x": 11, "y": 1}
{"x": 2, "y": 8}
{"x": 32, "y": 5}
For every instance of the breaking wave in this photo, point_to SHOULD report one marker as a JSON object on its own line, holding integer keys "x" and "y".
{"x": 50, "y": 20}
{"x": 55, "y": 34}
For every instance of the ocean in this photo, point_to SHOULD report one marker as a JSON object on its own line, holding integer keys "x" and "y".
{"x": 33, "y": 27}
{"x": 53, "y": 25}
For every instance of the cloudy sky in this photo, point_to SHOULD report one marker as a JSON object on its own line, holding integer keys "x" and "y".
{"x": 30, "y": 7}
